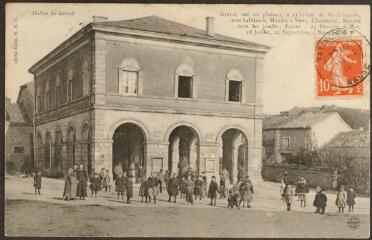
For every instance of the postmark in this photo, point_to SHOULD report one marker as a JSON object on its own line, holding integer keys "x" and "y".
{"x": 353, "y": 222}
{"x": 342, "y": 63}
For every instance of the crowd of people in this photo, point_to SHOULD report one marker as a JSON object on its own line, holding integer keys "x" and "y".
{"x": 190, "y": 187}
{"x": 343, "y": 198}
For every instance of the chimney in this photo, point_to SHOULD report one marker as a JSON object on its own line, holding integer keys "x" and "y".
{"x": 210, "y": 26}
{"x": 99, "y": 19}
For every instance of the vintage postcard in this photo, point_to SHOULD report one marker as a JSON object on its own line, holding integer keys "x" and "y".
{"x": 194, "y": 120}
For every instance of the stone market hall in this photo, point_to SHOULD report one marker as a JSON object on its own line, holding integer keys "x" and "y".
{"x": 152, "y": 92}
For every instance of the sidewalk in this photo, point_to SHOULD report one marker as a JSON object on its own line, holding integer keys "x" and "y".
{"x": 266, "y": 197}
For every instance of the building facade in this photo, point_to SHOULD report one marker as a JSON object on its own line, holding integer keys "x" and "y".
{"x": 150, "y": 92}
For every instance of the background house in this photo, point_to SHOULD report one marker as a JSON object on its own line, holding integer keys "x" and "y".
{"x": 335, "y": 139}
{"x": 19, "y": 131}
{"x": 285, "y": 134}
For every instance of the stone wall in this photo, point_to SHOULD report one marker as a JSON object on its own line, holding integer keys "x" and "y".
{"x": 314, "y": 176}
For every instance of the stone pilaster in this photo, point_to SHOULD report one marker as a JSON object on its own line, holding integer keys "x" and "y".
{"x": 102, "y": 155}
{"x": 209, "y": 159}
{"x": 99, "y": 70}
{"x": 158, "y": 150}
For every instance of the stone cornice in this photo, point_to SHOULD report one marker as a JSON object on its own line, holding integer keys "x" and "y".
{"x": 183, "y": 39}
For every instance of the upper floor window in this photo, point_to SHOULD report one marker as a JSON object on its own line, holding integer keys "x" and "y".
{"x": 85, "y": 75}
{"x": 234, "y": 86}
{"x": 47, "y": 96}
{"x": 185, "y": 82}
{"x": 39, "y": 102}
{"x": 58, "y": 91}
{"x": 70, "y": 78}
{"x": 130, "y": 77}
{"x": 286, "y": 143}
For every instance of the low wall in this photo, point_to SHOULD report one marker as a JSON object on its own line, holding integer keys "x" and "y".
{"x": 314, "y": 176}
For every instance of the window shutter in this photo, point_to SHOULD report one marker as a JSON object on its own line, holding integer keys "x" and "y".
{"x": 227, "y": 90}
{"x": 195, "y": 82}
{"x": 244, "y": 90}
{"x": 140, "y": 79}
{"x": 176, "y": 86}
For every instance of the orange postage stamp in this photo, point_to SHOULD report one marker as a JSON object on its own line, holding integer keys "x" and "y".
{"x": 340, "y": 64}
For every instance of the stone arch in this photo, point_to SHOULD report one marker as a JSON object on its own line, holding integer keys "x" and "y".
{"x": 129, "y": 147}
{"x": 48, "y": 158}
{"x": 85, "y": 147}
{"x": 39, "y": 149}
{"x": 58, "y": 143}
{"x": 227, "y": 127}
{"x": 178, "y": 124}
{"x": 70, "y": 147}
{"x": 235, "y": 74}
{"x": 122, "y": 121}
{"x": 233, "y": 155}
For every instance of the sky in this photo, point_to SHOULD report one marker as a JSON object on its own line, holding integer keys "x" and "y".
{"x": 289, "y": 71}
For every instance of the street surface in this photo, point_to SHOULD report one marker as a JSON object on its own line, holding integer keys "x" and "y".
{"x": 27, "y": 214}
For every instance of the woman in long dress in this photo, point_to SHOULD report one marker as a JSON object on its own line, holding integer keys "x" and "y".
{"x": 82, "y": 185}
{"x": 67, "y": 189}
{"x": 74, "y": 182}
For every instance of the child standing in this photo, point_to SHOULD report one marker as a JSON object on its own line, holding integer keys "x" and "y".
{"x": 198, "y": 188}
{"x": 129, "y": 188}
{"x": 350, "y": 200}
{"x": 37, "y": 182}
{"x": 144, "y": 191}
{"x": 341, "y": 199}
{"x": 212, "y": 191}
{"x": 189, "y": 185}
{"x": 222, "y": 189}
{"x": 173, "y": 187}
{"x": 120, "y": 185}
{"x": 95, "y": 184}
{"x": 320, "y": 201}
{"x": 233, "y": 198}
{"x": 288, "y": 196}
{"x": 204, "y": 188}
{"x": 106, "y": 181}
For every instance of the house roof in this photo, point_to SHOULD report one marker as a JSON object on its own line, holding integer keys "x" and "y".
{"x": 354, "y": 138}
{"x": 14, "y": 113}
{"x": 29, "y": 87}
{"x": 303, "y": 120}
{"x": 162, "y": 25}
{"x": 356, "y": 118}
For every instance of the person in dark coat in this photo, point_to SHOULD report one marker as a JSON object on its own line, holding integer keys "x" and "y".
{"x": 37, "y": 182}
{"x": 301, "y": 191}
{"x": 222, "y": 189}
{"x": 350, "y": 199}
{"x": 198, "y": 188}
{"x": 246, "y": 192}
{"x": 233, "y": 198}
{"x": 212, "y": 191}
{"x": 129, "y": 188}
{"x": 95, "y": 184}
{"x": 120, "y": 184}
{"x": 82, "y": 184}
{"x": 189, "y": 186}
{"x": 204, "y": 188}
{"x": 320, "y": 201}
{"x": 153, "y": 184}
{"x": 144, "y": 191}
{"x": 181, "y": 185}
{"x": 172, "y": 188}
